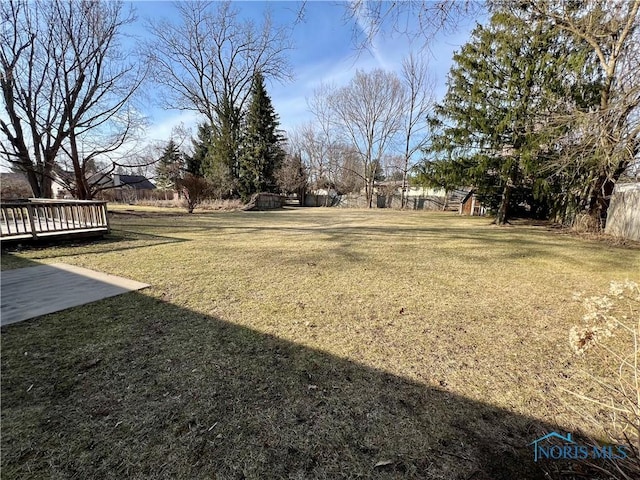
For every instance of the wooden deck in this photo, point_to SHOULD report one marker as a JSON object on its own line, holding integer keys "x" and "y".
{"x": 37, "y": 219}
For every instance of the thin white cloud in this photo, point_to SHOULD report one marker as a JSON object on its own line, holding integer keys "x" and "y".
{"x": 365, "y": 23}
{"x": 161, "y": 130}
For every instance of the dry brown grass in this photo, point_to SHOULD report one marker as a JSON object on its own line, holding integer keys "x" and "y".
{"x": 206, "y": 205}
{"x": 304, "y": 344}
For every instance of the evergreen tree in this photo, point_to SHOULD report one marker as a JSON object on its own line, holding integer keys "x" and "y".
{"x": 225, "y": 142}
{"x": 169, "y": 167}
{"x": 201, "y": 148}
{"x": 209, "y": 160}
{"x": 494, "y": 128}
{"x": 261, "y": 153}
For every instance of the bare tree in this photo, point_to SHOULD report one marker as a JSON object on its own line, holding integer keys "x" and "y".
{"x": 611, "y": 133}
{"x": 349, "y": 170}
{"x": 367, "y": 114}
{"x": 195, "y": 190}
{"x": 33, "y": 132}
{"x": 298, "y": 144}
{"x": 334, "y": 163}
{"x": 319, "y": 136}
{"x": 207, "y": 60}
{"x": 292, "y": 176}
{"x": 413, "y": 19}
{"x": 419, "y": 85}
{"x": 68, "y": 88}
{"x": 98, "y": 84}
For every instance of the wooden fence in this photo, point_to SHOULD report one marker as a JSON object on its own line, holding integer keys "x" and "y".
{"x": 37, "y": 218}
{"x": 265, "y": 201}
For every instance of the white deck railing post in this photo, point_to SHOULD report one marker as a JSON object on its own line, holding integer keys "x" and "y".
{"x": 32, "y": 221}
{"x": 49, "y": 217}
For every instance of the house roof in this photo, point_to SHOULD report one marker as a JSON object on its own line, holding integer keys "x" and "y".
{"x": 468, "y": 195}
{"x": 69, "y": 177}
{"x": 139, "y": 182}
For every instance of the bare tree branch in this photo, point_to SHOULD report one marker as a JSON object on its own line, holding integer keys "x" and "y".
{"x": 66, "y": 80}
{"x": 208, "y": 60}
{"x": 416, "y": 20}
{"x": 419, "y": 86}
{"x": 367, "y": 113}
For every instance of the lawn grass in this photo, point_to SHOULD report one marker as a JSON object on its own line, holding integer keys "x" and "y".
{"x": 304, "y": 343}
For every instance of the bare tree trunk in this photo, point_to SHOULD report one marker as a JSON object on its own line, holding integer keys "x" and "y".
{"x": 72, "y": 80}
{"x": 46, "y": 178}
{"x": 600, "y": 194}
{"x": 80, "y": 187}
{"x": 405, "y": 175}
{"x": 613, "y": 37}
{"x": 34, "y": 184}
{"x": 418, "y": 85}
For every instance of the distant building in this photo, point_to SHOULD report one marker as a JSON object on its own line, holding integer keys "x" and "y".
{"x": 64, "y": 181}
{"x": 472, "y": 206}
{"x": 128, "y": 188}
{"x": 124, "y": 188}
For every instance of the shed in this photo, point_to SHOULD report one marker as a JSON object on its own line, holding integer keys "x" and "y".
{"x": 470, "y": 205}
{"x": 623, "y": 216}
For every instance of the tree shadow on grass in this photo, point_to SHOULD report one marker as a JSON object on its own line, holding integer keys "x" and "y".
{"x": 117, "y": 240}
{"x": 507, "y": 243}
{"x": 133, "y": 387}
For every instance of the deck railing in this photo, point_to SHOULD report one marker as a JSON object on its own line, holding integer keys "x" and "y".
{"x": 39, "y": 217}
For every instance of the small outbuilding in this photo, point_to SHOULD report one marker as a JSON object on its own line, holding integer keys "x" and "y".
{"x": 471, "y": 205}
{"x": 623, "y": 216}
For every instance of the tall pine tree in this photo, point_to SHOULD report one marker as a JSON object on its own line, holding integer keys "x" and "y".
{"x": 201, "y": 148}
{"x": 225, "y": 142}
{"x": 261, "y": 153}
{"x": 169, "y": 167}
{"x": 494, "y": 128}
{"x": 209, "y": 161}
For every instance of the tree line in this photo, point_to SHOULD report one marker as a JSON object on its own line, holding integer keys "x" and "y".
{"x": 540, "y": 116}
{"x": 72, "y": 91}
{"x": 541, "y": 109}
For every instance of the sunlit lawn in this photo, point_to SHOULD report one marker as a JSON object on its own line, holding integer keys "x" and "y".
{"x": 304, "y": 343}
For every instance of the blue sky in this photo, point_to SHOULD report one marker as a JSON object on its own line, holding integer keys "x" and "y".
{"x": 324, "y": 51}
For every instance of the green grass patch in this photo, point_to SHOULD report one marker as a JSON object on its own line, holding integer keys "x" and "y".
{"x": 303, "y": 343}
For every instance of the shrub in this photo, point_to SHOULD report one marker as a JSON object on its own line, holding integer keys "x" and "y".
{"x": 617, "y": 395}
{"x": 195, "y": 190}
